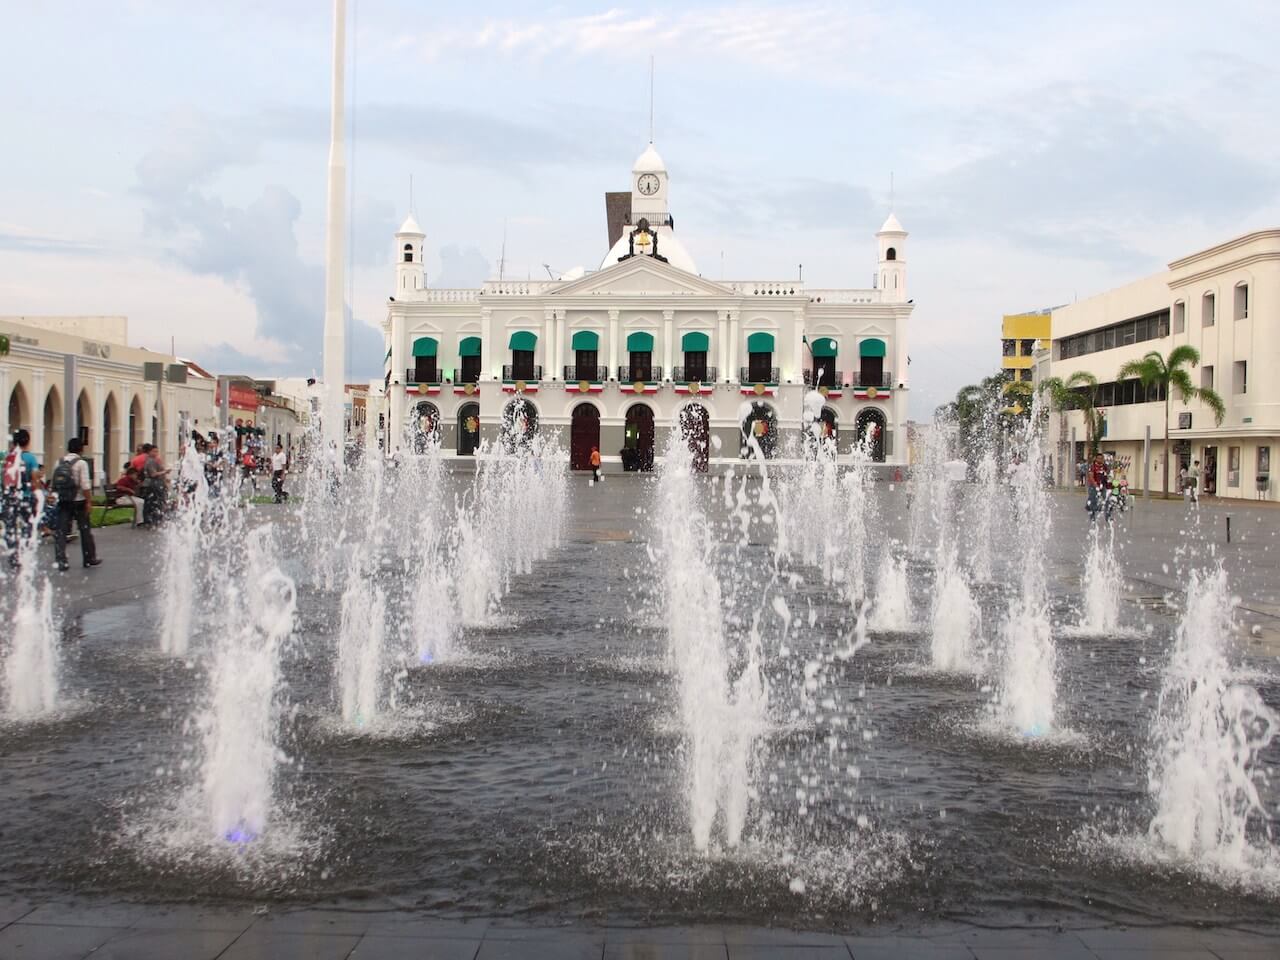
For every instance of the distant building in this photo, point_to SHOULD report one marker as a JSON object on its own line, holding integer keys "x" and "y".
{"x": 1021, "y": 334}
{"x": 615, "y": 356}
{"x": 63, "y": 377}
{"x": 1221, "y": 301}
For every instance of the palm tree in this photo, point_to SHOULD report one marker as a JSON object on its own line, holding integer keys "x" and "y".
{"x": 1170, "y": 373}
{"x": 1077, "y": 392}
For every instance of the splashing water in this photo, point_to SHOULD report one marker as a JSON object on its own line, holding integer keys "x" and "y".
{"x": 31, "y": 661}
{"x": 985, "y": 497}
{"x": 431, "y": 630}
{"x": 891, "y": 610}
{"x": 182, "y": 540}
{"x": 1028, "y": 685}
{"x": 1208, "y": 732}
{"x": 239, "y": 724}
{"x": 360, "y": 667}
{"x": 721, "y": 718}
{"x": 956, "y": 620}
{"x": 1100, "y": 587}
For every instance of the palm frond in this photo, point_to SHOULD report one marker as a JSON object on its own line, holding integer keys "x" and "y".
{"x": 1180, "y": 381}
{"x": 1213, "y": 401}
{"x": 1183, "y": 355}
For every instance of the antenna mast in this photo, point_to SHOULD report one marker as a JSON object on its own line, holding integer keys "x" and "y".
{"x": 502, "y": 257}
{"x": 651, "y": 98}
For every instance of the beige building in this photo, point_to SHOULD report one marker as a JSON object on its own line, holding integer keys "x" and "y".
{"x": 62, "y": 377}
{"x": 1225, "y": 302}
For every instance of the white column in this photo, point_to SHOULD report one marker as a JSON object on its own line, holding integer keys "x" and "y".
{"x": 561, "y": 324}
{"x": 668, "y": 347}
{"x": 549, "y": 358}
{"x": 39, "y": 442}
{"x": 490, "y": 349}
{"x": 722, "y": 344}
{"x": 98, "y": 434}
{"x": 335, "y": 247}
{"x": 733, "y": 345}
{"x": 395, "y": 390}
{"x": 613, "y": 342}
{"x": 795, "y": 372}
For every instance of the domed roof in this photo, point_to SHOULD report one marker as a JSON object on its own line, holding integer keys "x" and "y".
{"x": 892, "y": 225}
{"x": 668, "y": 246}
{"x": 649, "y": 161}
{"x": 410, "y": 225}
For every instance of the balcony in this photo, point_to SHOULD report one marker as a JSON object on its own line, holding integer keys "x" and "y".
{"x": 692, "y": 374}
{"x": 628, "y": 375}
{"x": 884, "y": 380}
{"x": 531, "y": 371}
{"x": 814, "y": 378}
{"x": 411, "y": 377}
{"x": 744, "y": 375}
{"x": 576, "y": 374}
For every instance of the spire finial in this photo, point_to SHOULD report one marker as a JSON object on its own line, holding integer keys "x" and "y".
{"x": 651, "y": 98}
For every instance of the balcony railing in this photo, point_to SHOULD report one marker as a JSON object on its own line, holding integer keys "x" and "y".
{"x": 593, "y": 374}
{"x": 885, "y": 380}
{"x": 467, "y": 376}
{"x": 816, "y": 378}
{"x": 628, "y": 375}
{"x": 411, "y": 376}
{"x": 744, "y": 375}
{"x": 531, "y": 372}
{"x": 691, "y": 374}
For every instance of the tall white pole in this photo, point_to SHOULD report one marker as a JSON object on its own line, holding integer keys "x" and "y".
{"x": 335, "y": 341}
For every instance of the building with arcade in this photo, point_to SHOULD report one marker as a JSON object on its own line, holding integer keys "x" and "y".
{"x": 614, "y": 357}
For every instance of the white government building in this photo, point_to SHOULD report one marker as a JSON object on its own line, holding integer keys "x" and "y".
{"x": 1225, "y": 302}
{"x": 615, "y": 356}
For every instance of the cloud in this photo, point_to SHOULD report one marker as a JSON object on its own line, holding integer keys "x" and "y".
{"x": 18, "y": 239}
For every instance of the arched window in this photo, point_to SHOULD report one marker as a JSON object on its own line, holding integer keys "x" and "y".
{"x": 891, "y": 254}
{"x": 408, "y": 253}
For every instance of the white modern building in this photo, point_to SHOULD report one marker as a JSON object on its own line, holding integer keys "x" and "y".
{"x": 63, "y": 377}
{"x": 615, "y": 356}
{"x": 1225, "y": 302}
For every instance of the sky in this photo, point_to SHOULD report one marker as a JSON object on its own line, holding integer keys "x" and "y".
{"x": 167, "y": 160}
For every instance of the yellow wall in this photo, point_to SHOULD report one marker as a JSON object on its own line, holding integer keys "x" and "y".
{"x": 1024, "y": 326}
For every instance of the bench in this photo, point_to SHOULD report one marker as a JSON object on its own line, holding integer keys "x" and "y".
{"x": 110, "y": 494}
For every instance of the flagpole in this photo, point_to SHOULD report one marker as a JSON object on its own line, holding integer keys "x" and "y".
{"x": 335, "y": 253}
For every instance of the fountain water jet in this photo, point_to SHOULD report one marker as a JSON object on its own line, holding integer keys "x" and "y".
{"x": 891, "y": 609}
{"x": 1100, "y": 586}
{"x": 956, "y": 619}
{"x": 31, "y": 659}
{"x": 182, "y": 539}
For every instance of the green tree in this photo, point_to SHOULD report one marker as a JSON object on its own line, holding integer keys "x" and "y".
{"x": 1170, "y": 374}
{"x": 1077, "y": 392}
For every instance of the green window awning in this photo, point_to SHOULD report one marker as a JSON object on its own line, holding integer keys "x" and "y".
{"x": 871, "y": 348}
{"x": 586, "y": 340}
{"x": 824, "y": 347}
{"x": 695, "y": 343}
{"x": 640, "y": 343}
{"x": 524, "y": 340}
{"x": 425, "y": 347}
{"x": 760, "y": 343}
{"x": 469, "y": 347}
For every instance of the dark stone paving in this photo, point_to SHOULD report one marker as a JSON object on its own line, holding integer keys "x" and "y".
{"x": 65, "y": 931}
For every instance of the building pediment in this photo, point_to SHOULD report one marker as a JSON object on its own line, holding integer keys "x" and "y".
{"x": 643, "y": 276}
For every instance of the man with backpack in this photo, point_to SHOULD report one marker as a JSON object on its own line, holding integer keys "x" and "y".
{"x": 70, "y": 481}
{"x": 21, "y": 480}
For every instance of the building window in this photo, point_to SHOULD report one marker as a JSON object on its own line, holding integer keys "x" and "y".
{"x": 1025, "y": 375}
{"x": 1126, "y": 333}
{"x": 1207, "y": 318}
{"x": 1233, "y": 466}
{"x": 1010, "y": 347}
{"x": 891, "y": 254}
{"x": 1180, "y": 317}
{"x": 1242, "y": 301}
{"x": 408, "y": 253}
{"x": 1027, "y": 347}
{"x": 1206, "y": 377}
{"x": 1264, "y": 461}
{"x": 1240, "y": 376}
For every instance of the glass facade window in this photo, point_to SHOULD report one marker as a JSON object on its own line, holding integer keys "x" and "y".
{"x": 1240, "y": 380}
{"x": 1207, "y": 317}
{"x": 1242, "y": 301}
{"x": 1026, "y": 347}
{"x": 1138, "y": 330}
{"x": 1010, "y": 347}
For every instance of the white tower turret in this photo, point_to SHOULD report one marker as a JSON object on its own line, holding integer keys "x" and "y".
{"x": 649, "y": 188}
{"x": 891, "y": 270}
{"x": 410, "y": 274}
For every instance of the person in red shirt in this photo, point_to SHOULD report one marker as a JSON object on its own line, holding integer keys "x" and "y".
{"x": 127, "y": 493}
{"x": 1097, "y": 480}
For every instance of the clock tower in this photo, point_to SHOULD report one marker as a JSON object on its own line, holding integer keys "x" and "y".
{"x": 649, "y": 188}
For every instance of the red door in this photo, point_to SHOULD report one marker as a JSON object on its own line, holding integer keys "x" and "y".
{"x": 584, "y": 434}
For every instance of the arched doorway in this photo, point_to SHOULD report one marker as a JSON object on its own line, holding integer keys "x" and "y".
{"x": 135, "y": 426}
{"x": 638, "y": 445}
{"x": 110, "y": 449}
{"x": 424, "y": 426}
{"x": 695, "y": 430}
{"x": 84, "y": 420}
{"x": 468, "y": 429}
{"x": 760, "y": 429}
{"x": 519, "y": 423}
{"x": 871, "y": 423}
{"x": 584, "y": 434}
{"x": 19, "y": 410}
{"x": 53, "y": 441}
{"x": 821, "y": 436}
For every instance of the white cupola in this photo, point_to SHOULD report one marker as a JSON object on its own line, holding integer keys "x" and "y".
{"x": 649, "y": 183}
{"x": 891, "y": 270}
{"x": 410, "y": 274}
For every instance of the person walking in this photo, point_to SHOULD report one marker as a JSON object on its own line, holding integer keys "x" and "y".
{"x": 1097, "y": 481}
{"x": 595, "y": 465}
{"x": 1193, "y": 482}
{"x": 279, "y": 464}
{"x": 21, "y": 480}
{"x": 70, "y": 481}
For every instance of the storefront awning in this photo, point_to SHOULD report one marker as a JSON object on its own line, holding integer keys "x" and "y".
{"x": 469, "y": 347}
{"x": 640, "y": 343}
{"x": 425, "y": 347}
{"x": 824, "y": 347}
{"x": 871, "y": 348}
{"x": 695, "y": 343}
{"x": 586, "y": 340}
{"x": 760, "y": 343}
{"x": 524, "y": 340}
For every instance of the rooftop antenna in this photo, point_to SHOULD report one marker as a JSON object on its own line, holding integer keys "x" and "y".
{"x": 651, "y": 98}
{"x": 502, "y": 258}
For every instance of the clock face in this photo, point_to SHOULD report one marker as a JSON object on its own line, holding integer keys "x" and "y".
{"x": 648, "y": 184}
